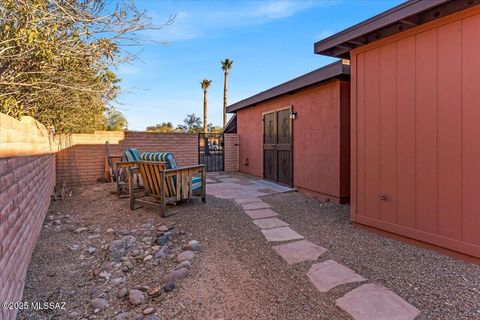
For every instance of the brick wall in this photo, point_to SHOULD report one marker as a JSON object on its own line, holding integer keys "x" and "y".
{"x": 27, "y": 178}
{"x": 81, "y": 157}
{"x": 231, "y": 152}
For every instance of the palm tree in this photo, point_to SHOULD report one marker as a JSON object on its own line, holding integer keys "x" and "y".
{"x": 205, "y": 85}
{"x": 226, "y": 66}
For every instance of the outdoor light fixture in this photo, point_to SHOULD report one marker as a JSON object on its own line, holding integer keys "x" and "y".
{"x": 293, "y": 115}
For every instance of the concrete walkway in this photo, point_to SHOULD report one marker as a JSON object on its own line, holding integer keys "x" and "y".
{"x": 368, "y": 301}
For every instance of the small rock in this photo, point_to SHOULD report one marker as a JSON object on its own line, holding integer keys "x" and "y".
{"x": 108, "y": 266}
{"x": 147, "y": 226}
{"x": 169, "y": 286}
{"x": 124, "y": 232}
{"x": 74, "y": 247}
{"x": 147, "y": 311}
{"x": 91, "y": 250}
{"x": 122, "y": 293}
{"x": 104, "y": 274}
{"x": 110, "y": 230}
{"x": 155, "y": 291}
{"x": 163, "y": 228}
{"x": 186, "y": 255}
{"x": 96, "y": 271}
{"x": 56, "y": 222}
{"x": 193, "y": 245}
{"x": 183, "y": 264}
{"x": 120, "y": 248}
{"x": 175, "y": 275}
{"x": 121, "y": 316}
{"x": 143, "y": 288}
{"x": 116, "y": 281}
{"x": 163, "y": 240}
{"x": 128, "y": 264}
{"x": 138, "y": 316}
{"x": 135, "y": 252}
{"x": 151, "y": 317}
{"x": 162, "y": 253}
{"x": 147, "y": 258}
{"x": 81, "y": 229}
{"x": 136, "y": 297}
{"x": 99, "y": 304}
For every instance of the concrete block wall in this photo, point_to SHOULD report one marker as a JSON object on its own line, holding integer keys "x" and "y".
{"x": 231, "y": 152}
{"x": 27, "y": 179}
{"x": 81, "y": 157}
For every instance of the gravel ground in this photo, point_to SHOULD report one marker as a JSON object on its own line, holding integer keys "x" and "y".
{"x": 236, "y": 275}
{"x": 439, "y": 286}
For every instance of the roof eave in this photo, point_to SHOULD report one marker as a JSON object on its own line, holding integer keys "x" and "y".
{"x": 398, "y": 19}
{"x": 337, "y": 70}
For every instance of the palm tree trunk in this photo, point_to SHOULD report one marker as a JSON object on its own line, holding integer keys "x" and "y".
{"x": 225, "y": 89}
{"x": 205, "y": 121}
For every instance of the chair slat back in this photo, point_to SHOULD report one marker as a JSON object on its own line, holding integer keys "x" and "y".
{"x": 150, "y": 172}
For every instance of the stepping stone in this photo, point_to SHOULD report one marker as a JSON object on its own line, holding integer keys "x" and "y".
{"x": 281, "y": 234}
{"x": 262, "y": 213}
{"x": 374, "y": 302}
{"x": 247, "y": 200}
{"x": 299, "y": 251}
{"x": 329, "y": 274}
{"x": 270, "y": 223}
{"x": 255, "y": 206}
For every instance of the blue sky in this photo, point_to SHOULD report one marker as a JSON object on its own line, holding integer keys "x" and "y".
{"x": 270, "y": 42}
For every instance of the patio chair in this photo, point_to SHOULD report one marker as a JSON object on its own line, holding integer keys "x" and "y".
{"x": 165, "y": 182}
{"x": 129, "y": 159}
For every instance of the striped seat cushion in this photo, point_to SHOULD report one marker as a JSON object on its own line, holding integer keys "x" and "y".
{"x": 131, "y": 154}
{"x": 169, "y": 159}
{"x": 160, "y": 156}
{"x": 196, "y": 183}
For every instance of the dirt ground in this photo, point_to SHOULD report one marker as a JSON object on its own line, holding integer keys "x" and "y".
{"x": 236, "y": 275}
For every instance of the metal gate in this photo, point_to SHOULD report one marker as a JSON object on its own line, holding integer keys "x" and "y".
{"x": 277, "y": 146}
{"x": 210, "y": 151}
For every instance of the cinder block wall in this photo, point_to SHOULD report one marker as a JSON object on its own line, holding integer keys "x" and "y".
{"x": 231, "y": 152}
{"x": 26, "y": 183}
{"x": 81, "y": 157}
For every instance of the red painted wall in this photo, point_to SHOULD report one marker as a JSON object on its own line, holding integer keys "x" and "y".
{"x": 320, "y": 138}
{"x": 415, "y": 112}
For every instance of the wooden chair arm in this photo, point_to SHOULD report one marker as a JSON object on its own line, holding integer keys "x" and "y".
{"x": 199, "y": 167}
{"x": 126, "y": 164}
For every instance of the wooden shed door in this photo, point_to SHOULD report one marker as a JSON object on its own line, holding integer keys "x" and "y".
{"x": 277, "y": 146}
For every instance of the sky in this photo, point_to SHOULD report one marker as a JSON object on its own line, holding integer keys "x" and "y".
{"x": 270, "y": 42}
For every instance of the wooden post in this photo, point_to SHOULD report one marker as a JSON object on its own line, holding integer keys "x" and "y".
{"x": 163, "y": 204}
{"x": 130, "y": 188}
{"x": 204, "y": 185}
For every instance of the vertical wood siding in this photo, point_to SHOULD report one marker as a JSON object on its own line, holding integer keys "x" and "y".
{"x": 417, "y": 134}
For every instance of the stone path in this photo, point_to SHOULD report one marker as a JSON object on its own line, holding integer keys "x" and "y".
{"x": 269, "y": 223}
{"x": 373, "y": 301}
{"x": 262, "y": 213}
{"x": 281, "y": 234}
{"x": 298, "y": 251}
{"x": 368, "y": 301}
{"x": 330, "y": 274}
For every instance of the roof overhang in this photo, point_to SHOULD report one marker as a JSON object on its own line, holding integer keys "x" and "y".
{"x": 338, "y": 70}
{"x": 231, "y": 126}
{"x": 398, "y": 19}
